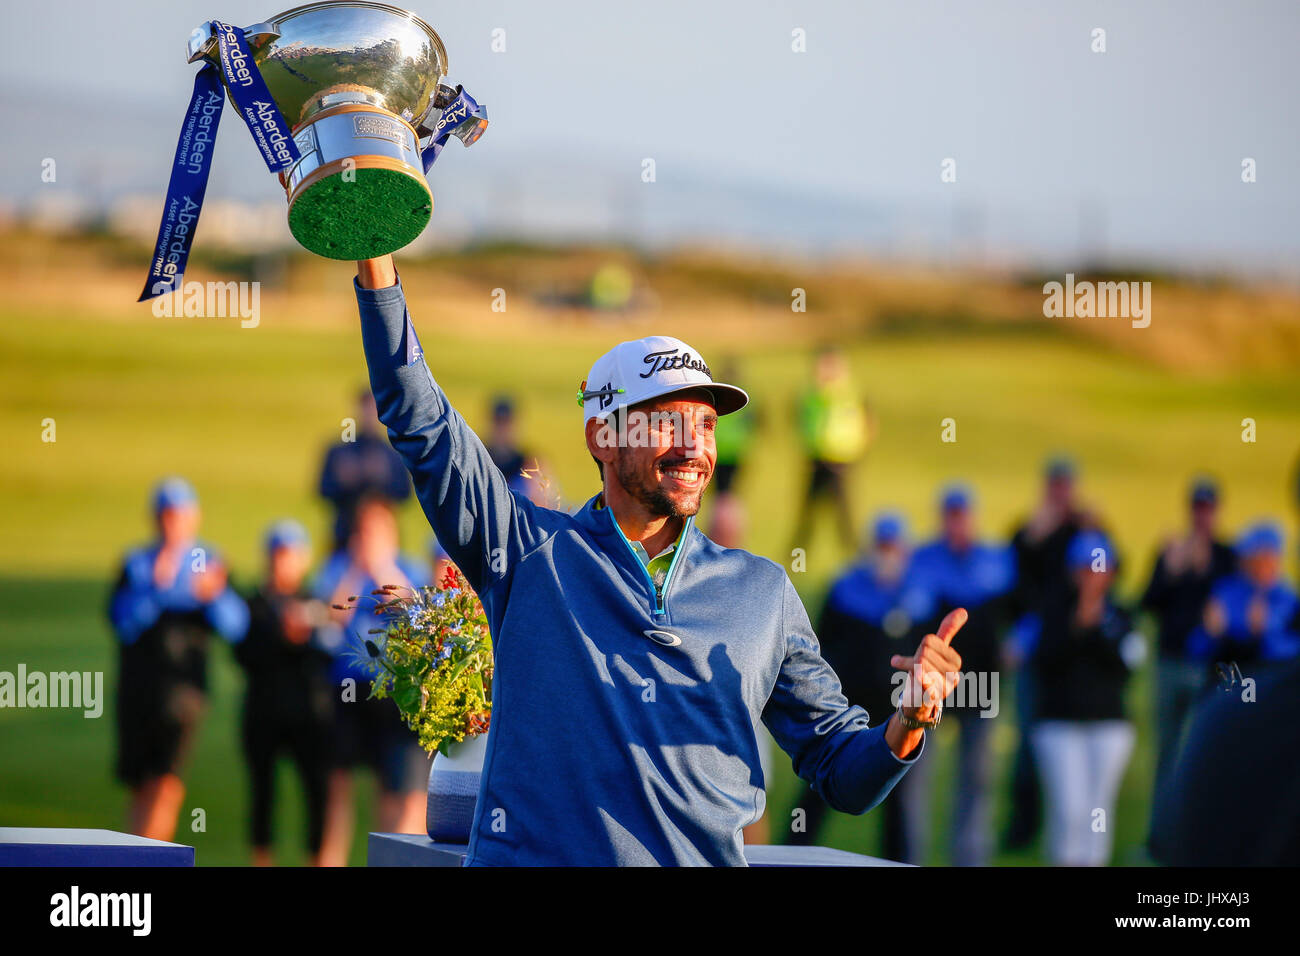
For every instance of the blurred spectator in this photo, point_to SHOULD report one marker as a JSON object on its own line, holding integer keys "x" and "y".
{"x": 1039, "y": 545}
{"x": 369, "y": 732}
{"x": 169, "y": 597}
{"x": 734, "y": 438}
{"x": 960, "y": 571}
{"x": 611, "y": 288}
{"x": 361, "y": 464}
{"x": 1082, "y": 740}
{"x": 873, "y": 611}
{"x": 522, "y": 470}
{"x": 502, "y": 441}
{"x": 1185, "y": 570}
{"x": 1041, "y": 542}
{"x": 835, "y": 427}
{"x": 288, "y": 707}
{"x": 1232, "y": 796}
{"x": 1252, "y": 618}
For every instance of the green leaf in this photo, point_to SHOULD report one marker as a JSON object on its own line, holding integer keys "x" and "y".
{"x": 407, "y": 697}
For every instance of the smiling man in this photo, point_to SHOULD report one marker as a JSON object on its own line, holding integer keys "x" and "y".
{"x": 634, "y": 656}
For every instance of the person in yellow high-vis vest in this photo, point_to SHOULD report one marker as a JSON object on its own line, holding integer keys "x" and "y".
{"x": 835, "y": 426}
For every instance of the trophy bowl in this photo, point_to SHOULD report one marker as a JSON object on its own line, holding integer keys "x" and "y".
{"x": 359, "y": 84}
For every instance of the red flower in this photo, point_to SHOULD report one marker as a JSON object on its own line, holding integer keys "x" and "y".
{"x": 450, "y": 578}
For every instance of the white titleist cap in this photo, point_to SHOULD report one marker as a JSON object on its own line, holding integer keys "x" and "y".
{"x": 657, "y": 365}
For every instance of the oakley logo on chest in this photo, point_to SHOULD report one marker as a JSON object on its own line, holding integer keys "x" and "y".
{"x": 666, "y": 638}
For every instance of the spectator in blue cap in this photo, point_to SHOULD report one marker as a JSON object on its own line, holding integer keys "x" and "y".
{"x": 1186, "y": 568}
{"x": 889, "y": 529}
{"x": 1086, "y": 649}
{"x": 876, "y": 608}
{"x": 173, "y": 494}
{"x": 959, "y": 570}
{"x": 288, "y": 706}
{"x": 1252, "y": 618}
{"x": 171, "y": 596}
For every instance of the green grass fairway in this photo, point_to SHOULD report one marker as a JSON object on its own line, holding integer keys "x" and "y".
{"x": 246, "y": 414}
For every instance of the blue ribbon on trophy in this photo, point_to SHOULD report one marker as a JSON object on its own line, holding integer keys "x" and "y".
{"x": 362, "y": 83}
{"x": 193, "y": 161}
{"x": 248, "y": 90}
{"x": 463, "y": 118}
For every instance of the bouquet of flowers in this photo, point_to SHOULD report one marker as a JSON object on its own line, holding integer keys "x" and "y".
{"x": 434, "y": 659}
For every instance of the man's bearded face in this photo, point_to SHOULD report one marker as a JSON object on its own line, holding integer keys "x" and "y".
{"x": 668, "y": 454}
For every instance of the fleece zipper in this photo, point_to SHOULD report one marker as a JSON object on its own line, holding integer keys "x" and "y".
{"x": 658, "y": 592}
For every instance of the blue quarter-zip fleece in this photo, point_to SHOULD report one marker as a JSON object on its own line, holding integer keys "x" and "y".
{"x": 623, "y": 724}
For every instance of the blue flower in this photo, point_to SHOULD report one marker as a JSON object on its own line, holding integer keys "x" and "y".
{"x": 356, "y": 652}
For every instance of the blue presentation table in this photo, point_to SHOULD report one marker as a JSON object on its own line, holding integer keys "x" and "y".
{"x": 409, "y": 849}
{"x": 39, "y": 846}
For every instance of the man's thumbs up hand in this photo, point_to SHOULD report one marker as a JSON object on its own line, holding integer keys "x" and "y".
{"x": 933, "y": 671}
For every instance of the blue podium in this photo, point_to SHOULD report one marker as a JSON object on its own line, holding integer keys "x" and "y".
{"x": 38, "y": 846}
{"x": 411, "y": 849}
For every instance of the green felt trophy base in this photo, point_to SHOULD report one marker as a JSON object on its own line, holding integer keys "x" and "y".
{"x": 370, "y": 213}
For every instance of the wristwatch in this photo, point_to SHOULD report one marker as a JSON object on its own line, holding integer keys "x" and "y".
{"x": 911, "y": 723}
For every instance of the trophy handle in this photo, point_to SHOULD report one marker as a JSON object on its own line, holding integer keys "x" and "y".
{"x": 202, "y": 44}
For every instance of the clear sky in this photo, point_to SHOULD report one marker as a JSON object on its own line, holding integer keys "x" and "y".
{"x": 1137, "y": 149}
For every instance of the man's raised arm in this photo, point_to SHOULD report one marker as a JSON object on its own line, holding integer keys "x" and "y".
{"x": 376, "y": 273}
{"x": 482, "y": 526}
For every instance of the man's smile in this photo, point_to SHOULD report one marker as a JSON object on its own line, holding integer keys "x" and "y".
{"x": 689, "y": 476}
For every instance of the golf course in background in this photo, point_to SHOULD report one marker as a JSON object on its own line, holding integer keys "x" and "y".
{"x": 246, "y": 414}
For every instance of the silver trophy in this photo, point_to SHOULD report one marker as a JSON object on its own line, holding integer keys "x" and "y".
{"x": 360, "y": 85}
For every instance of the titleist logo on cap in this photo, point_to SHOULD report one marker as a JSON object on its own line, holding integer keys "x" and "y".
{"x": 670, "y": 359}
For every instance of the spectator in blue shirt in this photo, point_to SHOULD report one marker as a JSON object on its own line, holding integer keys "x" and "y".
{"x": 958, "y": 570}
{"x": 369, "y": 732}
{"x": 875, "y": 609}
{"x": 1252, "y": 618}
{"x": 170, "y": 596}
